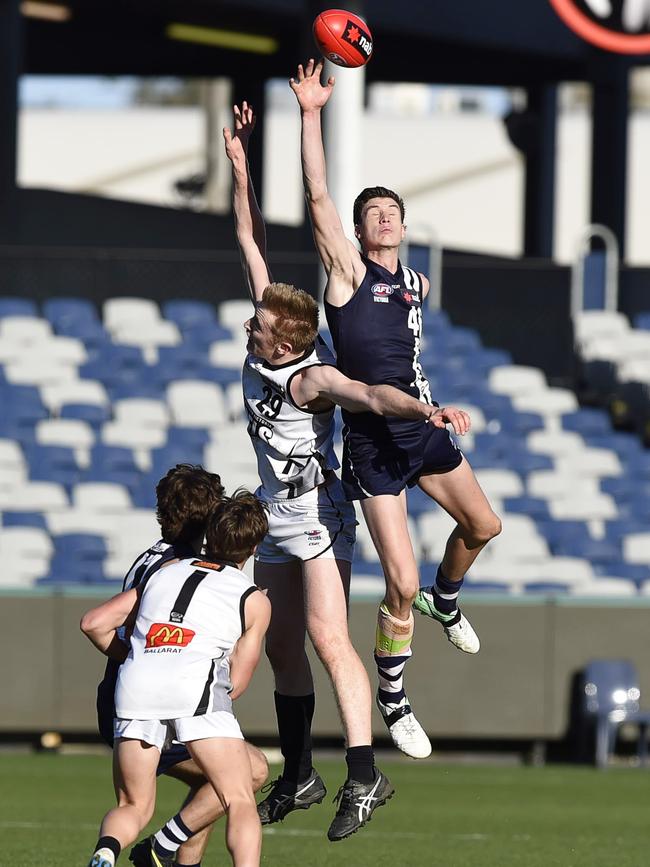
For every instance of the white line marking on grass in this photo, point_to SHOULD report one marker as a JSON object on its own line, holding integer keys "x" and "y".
{"x": 84, "y": 826}
{"x": 401, "y": 835}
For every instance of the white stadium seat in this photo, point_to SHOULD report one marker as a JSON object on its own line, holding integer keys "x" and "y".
{"x": 70, "y": 432}
{"x": 515, "y": 379}
{"x": 545, "y": 442}
{"x": 233, "y": 314}
{"x": 635, "y": 370}
{"x": 101, "y": 497}
{"x": 605, "y": 586}
{"x": 118, "y": 311}
{"x": 78, "y": 521}
{"x": 577, "y": 507}
{"x": 24, "y": 329}
{"x": 25, "y": 542}
{"x": 500, "y": 483}
{"x": 590, "y": 462}
{"x": 34, "y": 497}
{"x": 636, "y": 548}
{"x": 552, "y": 484}
{"x": 195, "y": 403}
{"x": 11, "y": 454}
{"x": 599, "y": 323}
{"x": 132, "y": 436}
{"x": 553, "y": 401}
{"x": 228, "y": 353}
{"x": 141, "y": 411}
{"x": 85, "y": 391}
{"x": 39, "y": 371}
{"x": 63, "y": 350}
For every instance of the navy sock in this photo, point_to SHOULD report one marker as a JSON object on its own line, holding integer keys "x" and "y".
{"x": 361, "y": 763}
{"x": 445, "y": 593}
{"x": 295, "y": 713}
{"x": 109, "y": 843}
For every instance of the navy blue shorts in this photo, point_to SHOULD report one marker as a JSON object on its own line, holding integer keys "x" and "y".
{"x": 391, "y": 460}
{"x": 174, "y": 755}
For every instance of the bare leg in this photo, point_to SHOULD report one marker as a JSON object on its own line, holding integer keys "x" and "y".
{"x": 134, "y": 774}
{"x": 327, "y": 588}
{"x": 226, "y": 764}
{"x": 386, "y": 519}
{"x": 202, "y": 807}
{"x": 460, "y": 495}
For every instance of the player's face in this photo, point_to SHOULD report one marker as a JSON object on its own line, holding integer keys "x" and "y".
{"x": 381, "y": 225}
{"x": 261, "y": 340}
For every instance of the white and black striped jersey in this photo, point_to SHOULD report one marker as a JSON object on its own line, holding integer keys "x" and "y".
{"x": 294, "y": 447}
{"x": 190, "y": 617}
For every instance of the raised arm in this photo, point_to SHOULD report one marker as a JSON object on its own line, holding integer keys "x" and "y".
{"x": 100, "y": 624}
{"x": 249, "y": 223}
{"x": 246, "y": 655}
{"x": 340, "y": 258}
{"x": 327, "y": 383}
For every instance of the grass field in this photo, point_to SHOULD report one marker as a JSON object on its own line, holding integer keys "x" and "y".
{"x": 456, "y": 816}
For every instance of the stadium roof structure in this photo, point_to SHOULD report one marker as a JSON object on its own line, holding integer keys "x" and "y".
{"x": 477, "y": 41}
{"x": 481, "y": 42}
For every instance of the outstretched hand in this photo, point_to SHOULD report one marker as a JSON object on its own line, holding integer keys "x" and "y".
{"x": 236, "y": 140}
{"x": 310, "y": 93}
{"x": 457, "y": 418}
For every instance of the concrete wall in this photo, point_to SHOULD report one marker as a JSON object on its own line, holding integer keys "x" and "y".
{"x": 517, "y": 687}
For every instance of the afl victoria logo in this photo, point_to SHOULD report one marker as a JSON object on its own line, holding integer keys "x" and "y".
{"x": 622, "y": 26}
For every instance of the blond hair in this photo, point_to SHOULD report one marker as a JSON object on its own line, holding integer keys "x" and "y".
{"x": 295, "y": 312}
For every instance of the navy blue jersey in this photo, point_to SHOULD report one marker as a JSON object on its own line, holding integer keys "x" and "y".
{"x": 377, "y": 336}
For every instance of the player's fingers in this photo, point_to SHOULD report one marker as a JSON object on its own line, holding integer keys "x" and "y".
{"x": 236, "y": 111}
{"x": 226, "y": 134}
{"x": 331, "y": 81}
{"x": 301, "y": 72}
{"x": 437, "y": 420}
{"x": 310, "y": 66}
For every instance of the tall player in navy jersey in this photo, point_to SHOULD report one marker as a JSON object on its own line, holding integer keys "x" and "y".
{"x": 374, "y": 309}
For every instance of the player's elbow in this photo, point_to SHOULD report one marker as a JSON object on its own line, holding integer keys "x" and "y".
{"x": 89, "y": 623}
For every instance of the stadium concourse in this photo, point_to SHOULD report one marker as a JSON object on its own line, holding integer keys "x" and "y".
{"x": 97, "y": 408}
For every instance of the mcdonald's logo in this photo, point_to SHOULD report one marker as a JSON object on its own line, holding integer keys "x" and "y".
{"x": 164, "y": 635}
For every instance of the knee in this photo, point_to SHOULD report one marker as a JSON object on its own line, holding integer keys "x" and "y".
{"x": 487, "y": 529}
{"x": 259, "y": 769}
{"x": 144, "y": 806}
{"x": 401, "y": 590}
{"x": 330, "y": 647}
{"x": 283, "y": 655}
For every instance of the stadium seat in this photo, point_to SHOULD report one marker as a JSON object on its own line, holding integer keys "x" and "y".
{"x": 555, "y": 442}
{"x": 35, "y": 497}
{"x": 39, "y": 371}
{"x": 642, "y": 320}
{"x": 194, "y": 403}
{"x": 189, "y": 313}
{"x": 587, "y": 422}
{"x": 101, "y": 497}
{"x": 78, "y": 391}
{"x": 611, "y": 698}
{"x": 552, "y": 402}
{"x": 578, "y": 507}
{"x": 203, "y": 335}
{"x": 516, "y": 379}
{"x": 124, "y": 311}
{"x": 87, "y": 547}
{"x": 14, "y": 306}
{"x": 228, "y": 354}
{"x": 535, "y": 507}
{"x": 127, "y": 435}
{"x": 233, "y": 314}
{"x": 24, "y": 519}
{"x": 65, "y": 432}
{"x": 25, "y": 330}
{"x": 141, "y": 411}
{"x": 605, "y": 586}
{"x": 636, "y": 548}
{"x": 65, "y": 313}
{"x": 51, "y": 463}
{"x": 500, "y": 483}
{"x": 91, "y": 413}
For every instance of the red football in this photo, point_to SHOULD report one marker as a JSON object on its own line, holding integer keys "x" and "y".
{"x": 343, "y": 37}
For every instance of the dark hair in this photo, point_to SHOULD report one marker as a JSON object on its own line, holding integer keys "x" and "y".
{"x": 186, "y": 496}
{"x": 296, "y": 314}
{"x": 375, "y": 193}
{"x": 236, "y": 527}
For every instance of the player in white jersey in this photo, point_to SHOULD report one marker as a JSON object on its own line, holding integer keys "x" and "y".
{"x": 290, "y": 388}
{"x": 185, "y": 497}
{"x": 197, "y": 627}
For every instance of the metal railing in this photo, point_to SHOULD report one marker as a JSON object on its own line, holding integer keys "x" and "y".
{"x": 583, "y": 250}
{"x": 426, "y": 236}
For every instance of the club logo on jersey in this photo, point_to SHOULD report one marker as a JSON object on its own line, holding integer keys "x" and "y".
{"x": 622, "y": 26}
{"x": 358, "y": 39}
{"x": 164, "y": 635}
{"x": 381, "y": 291}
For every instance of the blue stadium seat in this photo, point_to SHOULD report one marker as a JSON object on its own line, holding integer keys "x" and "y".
{"x": 435, "y": 320}
{"x": 522, "y": 461}
{"x": 205, "y": 333}
{"x": 66, "y": 313}
{"x": 113, "y": 464}
{"x": 623, "y": 488}
{"x": 547, "y": 588}
{"x": 143, "y": 495}
{"x": 187, "y": 314}
{"x": 222, "y": 376}
{"x": 535, "y": 507}
{"x": 486, "y": 587}
{"x": 588, "y": 421}
{"x": 94, "y": 413}
{"x": 642, "y": 320}
{"x": 366, "y": 567}
{"x": 615, "y": 530}
{"x": 485, "y": 359}
{"x": 24, "y": 519}
{"x": 92, "y": 334}
{"x": 64, "y": 570}
{"x": 637, "y": 572}
{"x": 419, "y": 502}
{"x": 87, "y": 547}
{"x": 190, "y": 438}
{"x": 15, "y": 306}
{"x": 626, "y": 445}
{"x": 599, "y": 551}
{"x": 165, "y": 457}
{"x": 52, "y": 464}
{"x": 562, "y": 533}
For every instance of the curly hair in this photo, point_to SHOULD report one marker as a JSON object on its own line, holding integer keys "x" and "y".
{"x": 185, "y": 497}
{"x": 296, "y": 314}
{"x": 375, "y": 193}
{"x": 236, "y": 527}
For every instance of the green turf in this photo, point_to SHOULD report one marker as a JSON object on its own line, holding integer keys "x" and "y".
{"x": 456, "y": 816}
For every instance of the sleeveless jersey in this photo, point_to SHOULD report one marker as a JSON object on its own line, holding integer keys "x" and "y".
{"x": 189, "y": 619}
{"x": 377, "y": 336}
{"x": 294, "y": 447}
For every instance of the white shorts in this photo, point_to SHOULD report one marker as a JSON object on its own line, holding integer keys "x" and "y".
{"x": 161, "y": 732}
{"x": 320, "y": 523}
